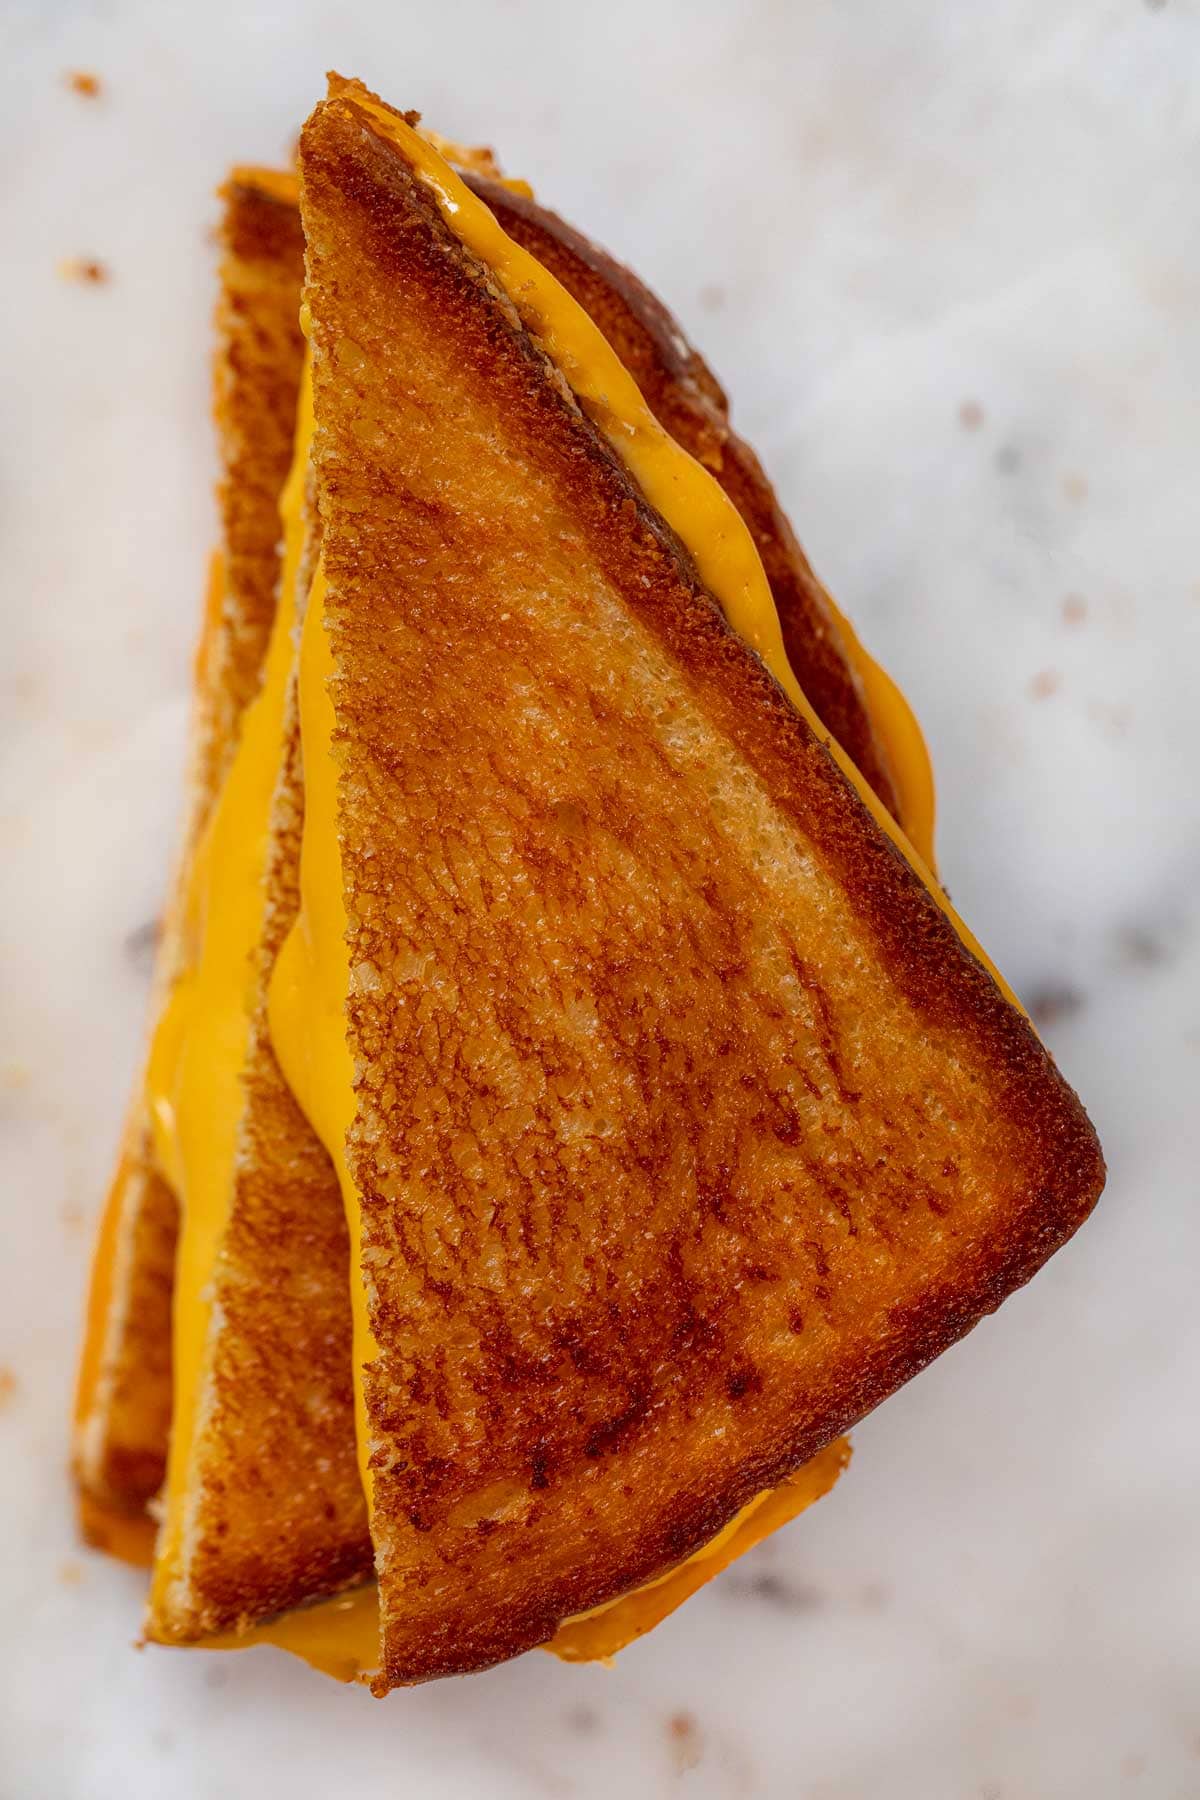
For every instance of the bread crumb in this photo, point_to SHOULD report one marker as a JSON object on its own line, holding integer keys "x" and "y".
{"x": 1075, "y": 488}
{"x": 70, "y": 1572}
{"x": 1045, "y": 683}
{"x": 83, "y": 82}
{"x": 687, "y": 1743}
{"x": 1113, "y": 718}
{"x": 83, "y": 268}
{"x": 1074, "y": 609}
{"x": 970, "y": 415}
{"x": 8, "y": 1387}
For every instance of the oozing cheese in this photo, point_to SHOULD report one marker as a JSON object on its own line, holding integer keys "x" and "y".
{"x": 340, "y": 1637}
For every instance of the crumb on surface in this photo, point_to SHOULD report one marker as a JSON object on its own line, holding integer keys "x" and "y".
{"x": 88, "y": 269}
{"x": 1045, "y": 683}
{"x": 970, "y": 415}
{"x": 1074, "y": 609}
{"x": 84, "y": 83}
{"x": 8, "y": 1386}
{"x": 70, "y": 1572}
{"x": 72, "y": 1216}
{"x": 1074, "y": 488}
{"x": 686, "y": 1740}
{"x": 1112, "y": 716}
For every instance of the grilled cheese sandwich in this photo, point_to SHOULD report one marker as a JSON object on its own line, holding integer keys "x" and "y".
{"x": 817, "y": 1158}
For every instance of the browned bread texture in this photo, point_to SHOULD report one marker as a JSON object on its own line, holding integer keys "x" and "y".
{"x": 687, "y": 1128}
{"x": 260, "y": 351}
{"x": 688, "y": 401}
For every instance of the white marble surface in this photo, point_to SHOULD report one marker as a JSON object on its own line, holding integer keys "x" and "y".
{"x": 872, "y": 215}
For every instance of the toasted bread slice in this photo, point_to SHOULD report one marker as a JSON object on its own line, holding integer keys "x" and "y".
{"x": 685, "y": 1124}
{"x": 123, "y": 1402}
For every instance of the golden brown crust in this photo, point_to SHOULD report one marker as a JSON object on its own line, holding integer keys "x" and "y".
{"x": 689, "y": 402}
{"x": 260, "y": 349}
{"x": 122, "y": 1434}
{"x": 687, "y": 1129}
{"x": 124, "y": 1400}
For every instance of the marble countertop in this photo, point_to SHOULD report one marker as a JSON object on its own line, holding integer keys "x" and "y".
{"x": 946, "y": 259}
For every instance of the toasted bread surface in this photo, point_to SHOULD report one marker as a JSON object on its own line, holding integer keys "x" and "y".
{"x": 123, "y": 1402}
{"x": 260, "y": 350}
{"x": 687, "y": 1128}
{"x": 689, "y": 402}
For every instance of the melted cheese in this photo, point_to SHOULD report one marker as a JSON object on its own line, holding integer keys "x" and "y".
{"x": 198, "y": 1051}
{"x": 895, "y": 725}
{"x": 340, "y": 1637}
{"x": 100, "y": 1350}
